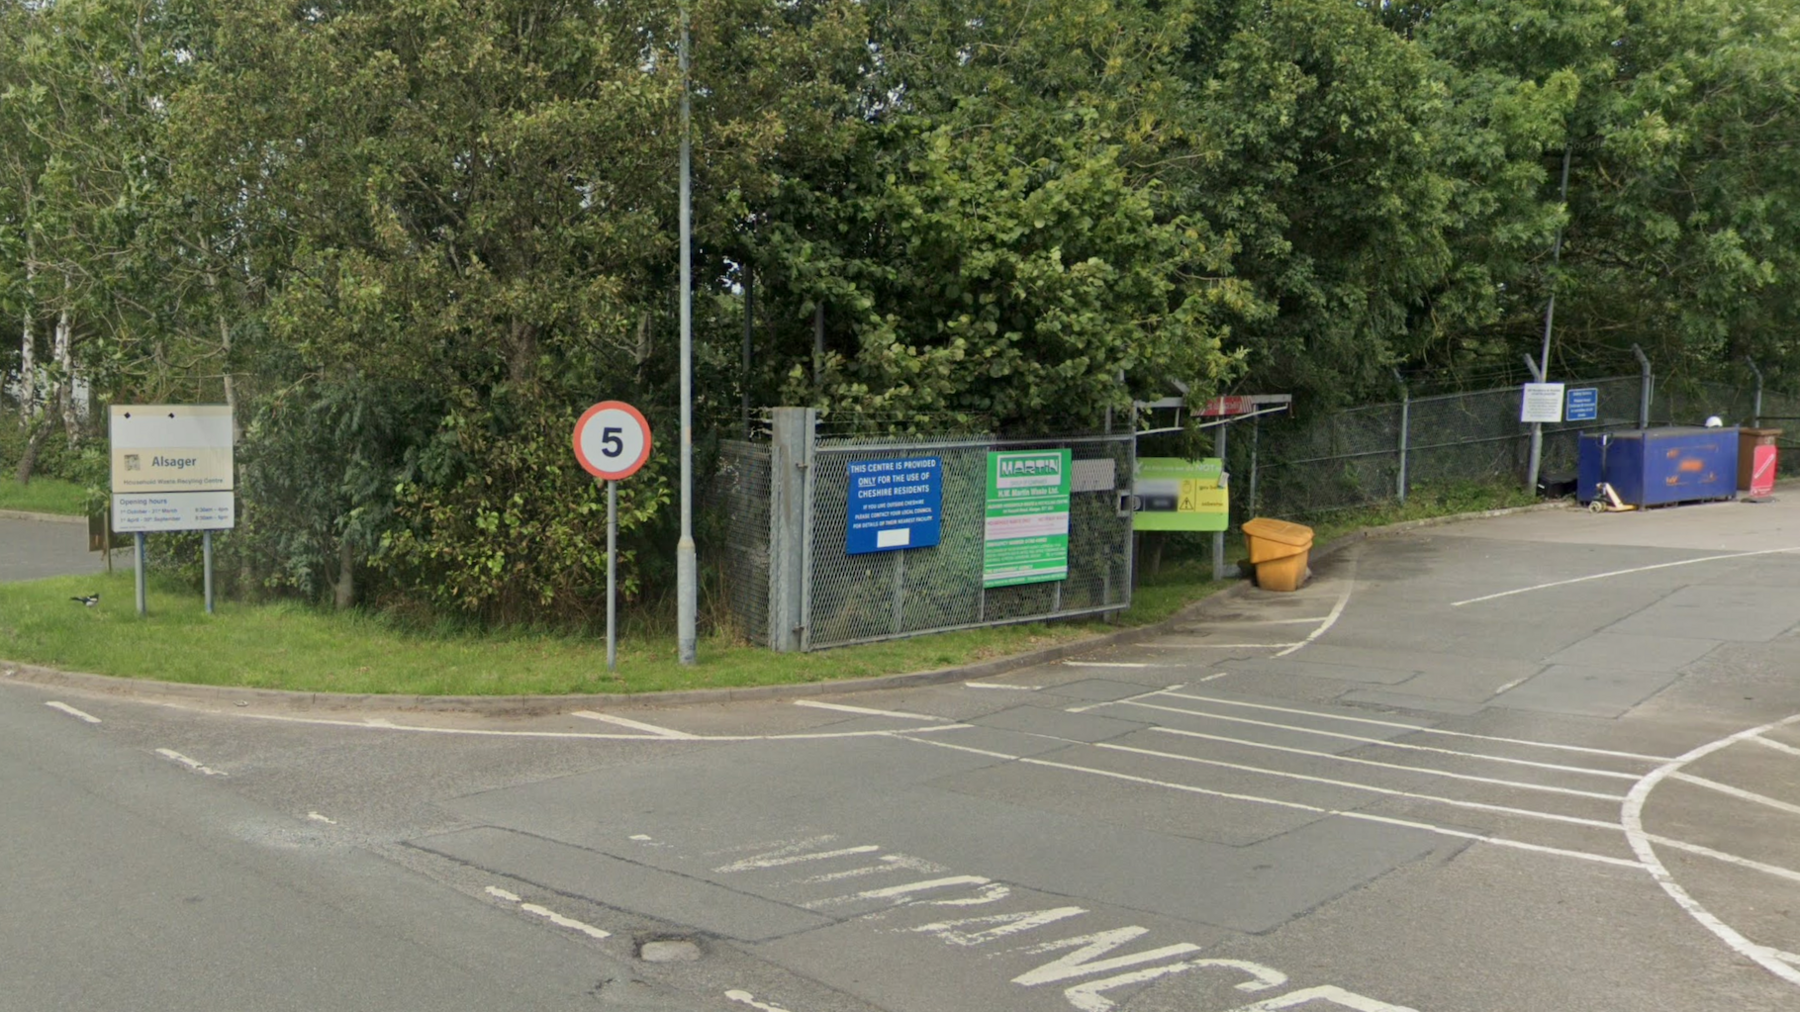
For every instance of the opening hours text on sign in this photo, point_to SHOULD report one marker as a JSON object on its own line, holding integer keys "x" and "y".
{"x": 894, "y": 504}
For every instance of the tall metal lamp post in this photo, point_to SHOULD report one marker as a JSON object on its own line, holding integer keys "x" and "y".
{"x": 686, "y": 575}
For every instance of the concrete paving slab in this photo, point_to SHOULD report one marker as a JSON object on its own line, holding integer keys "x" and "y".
{"x": 34, "y": 549}
{"x": 1099, "y": 689}
{"x": 1408, "y": 701}
{"x": 1585, "y": 689}
{"x": 1391, "y": 662}
{"x": 1479, "y": 683}
{"x": 1716, "y": 612}
{"x": 1641, "y": 652}
{"x": 1212, "y": 820}
{"x": 1370, "y": 673}
{"x": 1061, "y": 723}
{"x": 613, "y": 882}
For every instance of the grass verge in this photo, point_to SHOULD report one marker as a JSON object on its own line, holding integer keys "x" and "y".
{"x": 295, "y": 647}
{"x": 44, "y": 495}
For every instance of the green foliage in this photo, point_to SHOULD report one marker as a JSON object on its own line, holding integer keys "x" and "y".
{"x": 411, "y": 242}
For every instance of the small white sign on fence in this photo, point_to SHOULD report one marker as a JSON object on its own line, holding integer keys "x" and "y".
{"x": 1542, "y": 402}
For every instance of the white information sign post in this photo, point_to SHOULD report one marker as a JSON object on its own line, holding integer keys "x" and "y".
{"x": 612, "y": 440}
{"x": 172, "y": 470}
{"x": 1542, "y": 402}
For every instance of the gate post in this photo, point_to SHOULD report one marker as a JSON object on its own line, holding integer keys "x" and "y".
{"x": 790, "y": 460}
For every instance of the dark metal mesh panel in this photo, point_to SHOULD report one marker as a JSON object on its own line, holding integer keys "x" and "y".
{"x": 856, "y": 598}
{"x": 1348, "y": 459}
{"x": 1336, "y": 461}
{"x": 741, "y": 488}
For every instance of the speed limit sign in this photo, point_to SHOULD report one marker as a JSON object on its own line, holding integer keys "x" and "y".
{"x": 612, "y": 440}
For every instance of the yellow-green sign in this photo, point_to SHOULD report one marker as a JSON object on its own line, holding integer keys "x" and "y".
{"x": 1173, "y": 494}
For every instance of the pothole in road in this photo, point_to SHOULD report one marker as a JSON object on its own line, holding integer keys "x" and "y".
{"x": 669, "y": 950}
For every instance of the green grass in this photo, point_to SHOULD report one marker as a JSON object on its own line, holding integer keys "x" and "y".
{"x": 292, "y": 646}
{"x": 43, "y": 495}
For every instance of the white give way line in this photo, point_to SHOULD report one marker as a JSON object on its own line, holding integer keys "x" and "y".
{"x": 378, "y": 724}
{"x": 1622, "y": 572}
{"x": 636, "y": 725}
{"x": 192, "y": 764}
{"x": 867, "y": 711}
{"x": 1632, "y": 816}
{"x": 549, "y": 915}
{"x": 71, "y": 711}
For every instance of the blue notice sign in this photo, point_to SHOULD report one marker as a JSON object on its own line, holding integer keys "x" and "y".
{"x": 1583, "y": 405}
{"x": 894, "y": 504}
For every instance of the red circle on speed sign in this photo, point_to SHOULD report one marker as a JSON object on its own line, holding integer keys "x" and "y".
{"x": 612, "y": 440}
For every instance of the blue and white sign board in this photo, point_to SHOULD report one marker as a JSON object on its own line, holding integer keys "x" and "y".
{"x": 894, "y": 504}
{"x": 1584, "y": 405}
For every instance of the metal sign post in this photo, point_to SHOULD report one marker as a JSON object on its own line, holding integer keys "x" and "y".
{"x": 612, "y": 440}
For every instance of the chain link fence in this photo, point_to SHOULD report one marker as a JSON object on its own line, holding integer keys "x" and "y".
{"x": 844, "y": 598}
{"x": 1282, "y": 467}
{"x": 741, "y": 489}
{"x": 1365, "y": 456}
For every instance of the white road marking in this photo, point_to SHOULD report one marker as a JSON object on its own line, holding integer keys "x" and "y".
{"x": 1086, "y": 995}
{"x": 1736, "y": 792}
{"x": 1631, "y": 816}
{"x": 889, "y": 863}
{"x": 388, "y": 725}
{"x": 1106, "y": 664}
{"x": 1216, "y": 677}
{"x": 564, "y": 922}
{"x": 1422, "y": 770}
{"x": 1337, "y": 611}
{"x": 1085, "y": 707}
{"x": 865, "y": 710}
{"x": 1385, "y": 743}
{"x": 1331, "y": 993}
{"x": 643, "y": 837}
{"x": 1515, "y": 683}
{"x": 549, "y": 915}
{"x": 1082, "y": 961}
{"x": 749, "y": 999}
{"x": 794, "y": 853}
{"x": 71, "y": 711}
{"x": 1418, "y": 728}
{"x": 992, "y": 685}
{"x": 1719, "y": 855}
{"x": 660, "y": 732}
{"x": 193, "y": 764}
{"x": 1621, "y": 572}
{"x": 1292, "y": 646}
{"x": 906, "y": 889}
{"x": 1293, "y": 805}
{"x": 996, "y": 926}
{"x": 1531, "y": 813}
{"x": 316, "y": 817}
{"x": 1777, "y": 746}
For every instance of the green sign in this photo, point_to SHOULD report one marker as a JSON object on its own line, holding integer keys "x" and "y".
{"x": 1027, "y": 518}
{"x": 1173, "y": 494}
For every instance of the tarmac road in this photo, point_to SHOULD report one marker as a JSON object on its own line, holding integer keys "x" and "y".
{"x": 33, "y": 549}
{"x": 1544, "y": 761}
